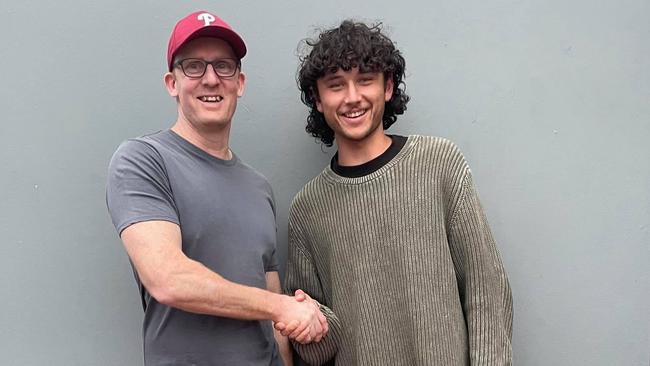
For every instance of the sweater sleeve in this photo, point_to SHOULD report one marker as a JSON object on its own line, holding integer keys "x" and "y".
{"x": 302, "y": 274}
{"x": 484, "y": 289}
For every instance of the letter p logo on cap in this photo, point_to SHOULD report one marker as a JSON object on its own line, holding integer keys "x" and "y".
{"x": 207, "y": 18}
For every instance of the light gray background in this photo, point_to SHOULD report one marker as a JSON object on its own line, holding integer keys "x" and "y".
{"x": 549, "y": 100}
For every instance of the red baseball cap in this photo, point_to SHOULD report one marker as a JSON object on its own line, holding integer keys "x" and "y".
{"x": 203, "y": 24}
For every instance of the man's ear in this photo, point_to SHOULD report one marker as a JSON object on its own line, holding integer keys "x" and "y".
{"x": 314, "y": 94}
{"x": 170, "y": 84}
{"x": 242, "y": 81}
{"x": 388, "y": 87}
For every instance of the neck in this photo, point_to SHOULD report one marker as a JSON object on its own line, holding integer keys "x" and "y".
{"x": 352, "y": 153}
{"x": 213, "y": 142}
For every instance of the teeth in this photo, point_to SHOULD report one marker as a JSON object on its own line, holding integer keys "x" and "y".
{"x": 355, "y": 113}
{"x": 212, "y": 99}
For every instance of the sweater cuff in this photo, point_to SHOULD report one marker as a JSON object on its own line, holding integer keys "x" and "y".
{"x": 323, "y": 351}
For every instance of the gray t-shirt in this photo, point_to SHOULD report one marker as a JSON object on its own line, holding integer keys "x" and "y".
{"x": 227, "y": 217}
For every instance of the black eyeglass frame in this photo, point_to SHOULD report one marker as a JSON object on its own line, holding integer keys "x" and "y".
{"x": 205, "y": 67}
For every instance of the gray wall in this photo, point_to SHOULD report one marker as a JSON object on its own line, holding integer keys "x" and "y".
{"x": 549, "y": 100}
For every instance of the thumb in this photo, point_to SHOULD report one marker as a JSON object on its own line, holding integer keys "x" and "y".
{"x": 300, "y": 295}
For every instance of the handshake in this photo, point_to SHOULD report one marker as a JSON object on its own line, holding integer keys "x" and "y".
{"x": 300, "y": 319}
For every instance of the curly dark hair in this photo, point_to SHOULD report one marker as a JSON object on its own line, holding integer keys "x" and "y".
{"x": 351, "y": 44}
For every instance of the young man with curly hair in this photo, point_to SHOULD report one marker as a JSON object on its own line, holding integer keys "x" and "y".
{"x": 390, "y": 238}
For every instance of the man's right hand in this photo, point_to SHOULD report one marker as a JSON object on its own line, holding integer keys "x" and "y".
{"x": 300, "y": 319}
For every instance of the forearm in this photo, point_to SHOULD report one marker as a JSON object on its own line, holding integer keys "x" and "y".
{"x": 285, "y": 348}
{"x": 488, "y": 312}
{"x": 190, "y": 286}
{"x": 273, "y": 285}
{"x": 178, "y": 281}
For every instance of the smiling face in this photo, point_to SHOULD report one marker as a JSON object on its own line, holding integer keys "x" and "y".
{"x": 208, "y": 102}
{"x": 353, "y": 104}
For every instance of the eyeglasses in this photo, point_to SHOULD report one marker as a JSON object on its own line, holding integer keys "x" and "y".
{"x": 195, "y": 67}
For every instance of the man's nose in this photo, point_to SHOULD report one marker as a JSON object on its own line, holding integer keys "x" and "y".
{"x": 352, "y": 95}
{"x": 210, "y": 77}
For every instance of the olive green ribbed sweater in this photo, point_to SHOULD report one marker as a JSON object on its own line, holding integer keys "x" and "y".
{"x": 403, "y": 262}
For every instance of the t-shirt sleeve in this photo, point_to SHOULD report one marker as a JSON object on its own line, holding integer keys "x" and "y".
{"x": 271, "y": 263}
{"x": 138, "y": 186}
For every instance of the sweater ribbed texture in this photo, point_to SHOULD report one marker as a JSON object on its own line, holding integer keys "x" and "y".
{"x": 403, "y": 262}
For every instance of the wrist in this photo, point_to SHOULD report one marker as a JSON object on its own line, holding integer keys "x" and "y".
{"x": 276, "y": 306}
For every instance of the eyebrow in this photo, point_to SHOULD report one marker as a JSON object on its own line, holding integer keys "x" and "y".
{"x": 330, "y": 77}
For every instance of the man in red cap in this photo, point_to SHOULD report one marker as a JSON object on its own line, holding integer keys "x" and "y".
{"x": 198, "y": 224}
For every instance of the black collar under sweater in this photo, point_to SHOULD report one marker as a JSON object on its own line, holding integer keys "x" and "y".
{"x": 356, "y": 171}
